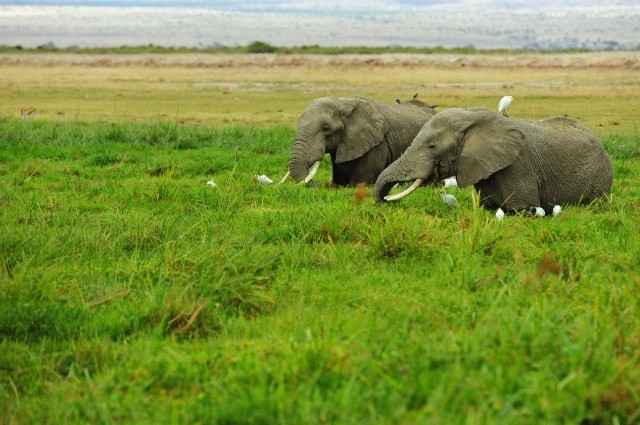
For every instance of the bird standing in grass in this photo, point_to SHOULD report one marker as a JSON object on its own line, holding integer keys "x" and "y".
{"x": 451, "y": 182}
{"x": 449, "y": 199}
{"x": 504, "y": 105}
{"x": 557, "y": 209}
{"x": 263, "y": 179}
{"x": 537, "y": 211}
{"x": 499, "y": 214}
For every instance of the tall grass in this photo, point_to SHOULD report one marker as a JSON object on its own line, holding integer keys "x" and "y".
{"x": 131, "y": 291}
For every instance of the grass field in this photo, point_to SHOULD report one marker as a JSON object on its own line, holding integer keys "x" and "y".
{"x": 131, "y": 291}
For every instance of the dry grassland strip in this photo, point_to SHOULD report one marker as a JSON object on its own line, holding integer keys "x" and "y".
{"x": 600, "y": 88}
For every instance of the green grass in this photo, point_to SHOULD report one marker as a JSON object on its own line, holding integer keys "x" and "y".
{"x": 133, "y": 292}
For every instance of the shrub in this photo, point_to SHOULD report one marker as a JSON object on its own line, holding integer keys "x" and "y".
{"x": 261, "y": 47}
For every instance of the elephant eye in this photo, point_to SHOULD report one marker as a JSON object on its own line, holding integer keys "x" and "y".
{"x": 326, "y": 128}
{"x": 431, "y": 146}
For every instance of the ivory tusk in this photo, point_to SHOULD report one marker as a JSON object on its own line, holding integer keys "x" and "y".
{"x": 312, "y": 172}
{"x": 405, "y": 192}
{"x": 284, "y": 179}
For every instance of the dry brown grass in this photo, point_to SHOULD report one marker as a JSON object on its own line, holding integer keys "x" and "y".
{"x": 600, "y": 88}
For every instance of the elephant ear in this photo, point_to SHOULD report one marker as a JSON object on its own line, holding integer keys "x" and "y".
{"x": 365, "y": 128}
{"x": 490, "y": 144}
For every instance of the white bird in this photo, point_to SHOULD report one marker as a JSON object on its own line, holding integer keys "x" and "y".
{"x": 449, "y": 199}
{"x": 504, "y": 105}
{"x": 537, "y": 211}
{"x": 499, "y": 214}
{"x": 263, "y": 179}
{"x": 451, "y": 182}
{"x": 557, "y": 209}
{"x": 212, "y": 183}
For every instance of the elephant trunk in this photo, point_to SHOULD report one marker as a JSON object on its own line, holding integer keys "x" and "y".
{"x": 298, "y": 169}
{"x": 399, "y": 172}
{"x": 304, "y": 161}
{"x": 382, "y": 189}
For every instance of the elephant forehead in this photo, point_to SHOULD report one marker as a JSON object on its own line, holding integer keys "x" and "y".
{"x": 321, "y": 100}
{"x": 327, "y": 105}
{"x": 456, "y": 120}
{"x": 451, "y": 113}
{"x": 448, "y": 119}
{"x": 315, "y": 105}
{"x": 316, "y": 117}
{"x": 464, "y": 113}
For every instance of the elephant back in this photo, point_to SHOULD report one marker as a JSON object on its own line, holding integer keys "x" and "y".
{"x": 429, "y": 110}
{"x": 577, "y": 157}
{"x": 563, "y": 124}
{"x": 413, "y": 109}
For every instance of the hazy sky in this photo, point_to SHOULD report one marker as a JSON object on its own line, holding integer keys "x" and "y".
{"x": 485, "y": 24}
{"x": 280, "y": 5}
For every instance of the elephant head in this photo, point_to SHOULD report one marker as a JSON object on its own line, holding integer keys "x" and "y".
{"x": 514, "y": 164}
{"x": 353, "y": 130}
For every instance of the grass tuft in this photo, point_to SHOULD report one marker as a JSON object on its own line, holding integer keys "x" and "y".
{"x": 623, "y": 146}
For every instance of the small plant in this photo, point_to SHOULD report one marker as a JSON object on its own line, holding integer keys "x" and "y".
{"x": 160, "y": 134}
{"x": 104, "y": 159}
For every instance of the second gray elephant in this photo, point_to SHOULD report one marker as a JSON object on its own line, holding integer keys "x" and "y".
{"x": 362, "y": 136}
{"x": 513, "y": 164}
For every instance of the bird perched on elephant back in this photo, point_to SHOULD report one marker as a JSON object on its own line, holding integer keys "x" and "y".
{"x": 362, "y": 136}
{"x": 514, "y": 164}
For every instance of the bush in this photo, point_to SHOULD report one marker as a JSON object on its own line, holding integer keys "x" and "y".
{"x": 261, "y": 47}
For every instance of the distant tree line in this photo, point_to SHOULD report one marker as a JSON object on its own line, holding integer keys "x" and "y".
{"x": 259, "y": 47}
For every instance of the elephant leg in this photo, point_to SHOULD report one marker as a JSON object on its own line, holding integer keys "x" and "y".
{"x": 505, "y": 190}
{"x": 340, "y": 175}
{"x": 367, "y": 168}
{"x": 352, "y": 173}
{"x": 362, "y": 176}
{"x": 361, "y": 170}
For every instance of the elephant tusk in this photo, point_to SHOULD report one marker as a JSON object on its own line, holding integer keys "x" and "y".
{"x": 312, "y": 172}
{"x": 284, "y": 179}
{"x": 405, "y": 192}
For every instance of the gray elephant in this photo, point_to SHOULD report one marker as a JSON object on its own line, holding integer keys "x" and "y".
{"x": 362, "y": 136}
{"x": 513, "y": 164}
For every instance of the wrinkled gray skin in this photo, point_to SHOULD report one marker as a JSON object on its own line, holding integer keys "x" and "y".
{"x": 362, "y": 136}
{"x": 513, "y": 164}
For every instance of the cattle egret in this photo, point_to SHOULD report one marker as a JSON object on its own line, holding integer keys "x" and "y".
{"x": 557, "y": 209}
{"x": 499, "y": 214}
{"x": 449, "y": 199}
{"x": 504, "y": 105}
{"x": 263, "y": 179}
{"x": 537, "y": 211}
{"x": 212, "y": 183}
{"x": 450, "y": 182}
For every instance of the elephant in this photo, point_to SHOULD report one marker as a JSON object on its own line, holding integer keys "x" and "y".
{"x": 513, "y": 164}
{"x": 362, "y": 136}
